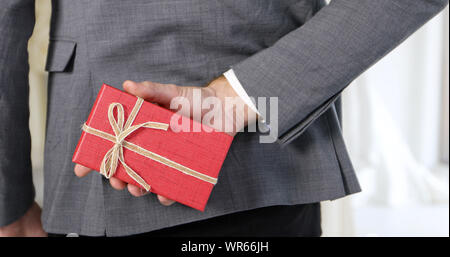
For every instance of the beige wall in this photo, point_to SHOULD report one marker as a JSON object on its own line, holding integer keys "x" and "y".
{"x": 37, "y": 49}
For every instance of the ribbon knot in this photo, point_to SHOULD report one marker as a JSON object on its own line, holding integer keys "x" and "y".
{"x": 114, "y": 156}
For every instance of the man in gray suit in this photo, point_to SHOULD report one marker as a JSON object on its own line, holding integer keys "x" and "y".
{"x": 301, "y": 51}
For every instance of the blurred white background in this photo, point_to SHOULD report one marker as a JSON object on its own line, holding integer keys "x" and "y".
{"x": 395, "y": 124}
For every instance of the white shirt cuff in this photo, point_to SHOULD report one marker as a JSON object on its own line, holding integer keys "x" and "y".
{"x": 239, "y": 89}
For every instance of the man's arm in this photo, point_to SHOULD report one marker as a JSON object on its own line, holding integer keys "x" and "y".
{"x": 16, "y": 185}
{"x": 308, "y": 68}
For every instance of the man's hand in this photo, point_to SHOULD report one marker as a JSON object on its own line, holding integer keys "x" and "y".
{"x": 163, "y": 94}
{"x": 29, "y": 225}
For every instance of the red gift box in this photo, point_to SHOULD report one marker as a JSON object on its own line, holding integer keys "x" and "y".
{"x": 182, "y": 166}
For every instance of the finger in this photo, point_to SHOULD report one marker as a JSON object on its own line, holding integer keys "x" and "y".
{"x": 117, "y": 183}
{"x": 81, "y": 171}
{"x": 165, "y": 201}
{"x": 153, "y": 92}
{"x": 135, "y": 190}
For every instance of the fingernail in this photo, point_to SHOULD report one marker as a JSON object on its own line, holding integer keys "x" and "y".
{"x": 128, "y": 83}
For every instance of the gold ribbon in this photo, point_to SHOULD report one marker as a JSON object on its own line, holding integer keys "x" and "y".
{"x": 112, "y": 158}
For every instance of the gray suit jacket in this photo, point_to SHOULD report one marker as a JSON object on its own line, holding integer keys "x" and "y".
{"x": 283, "y": 48}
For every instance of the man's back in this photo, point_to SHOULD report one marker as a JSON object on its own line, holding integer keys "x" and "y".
{"x": 184, "y": 43}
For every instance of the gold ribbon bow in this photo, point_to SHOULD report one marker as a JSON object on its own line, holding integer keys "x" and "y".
{"x": 112, "y": 158}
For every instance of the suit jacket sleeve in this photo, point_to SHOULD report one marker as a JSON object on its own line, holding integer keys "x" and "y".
{"x": 309, "y": 67}
{"x": 16, "y": 186}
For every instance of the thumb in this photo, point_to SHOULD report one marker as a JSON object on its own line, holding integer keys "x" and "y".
{"x": 158, "y": 93}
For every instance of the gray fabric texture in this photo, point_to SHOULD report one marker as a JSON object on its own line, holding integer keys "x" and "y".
{"x": 297, "y": 50}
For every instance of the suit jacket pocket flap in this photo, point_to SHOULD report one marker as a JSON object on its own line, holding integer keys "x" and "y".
{"x": 60, "y": 54}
